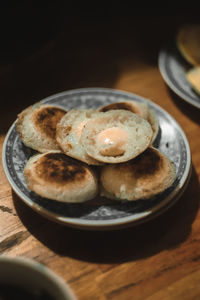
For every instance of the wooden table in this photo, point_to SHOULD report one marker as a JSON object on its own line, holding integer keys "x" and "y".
{"x": 157, "y": 260}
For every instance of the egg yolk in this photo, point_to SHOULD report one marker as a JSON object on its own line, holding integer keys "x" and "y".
{"x": 112, "y": 141}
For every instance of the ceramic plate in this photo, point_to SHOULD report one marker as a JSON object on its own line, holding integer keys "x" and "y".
{"x": 173, "y": 68}
{"x": 100, "y": 213}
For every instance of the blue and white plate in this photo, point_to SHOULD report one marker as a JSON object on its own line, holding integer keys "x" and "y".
{"x": 101, "y": 213}
{"x": 173, "y": 68}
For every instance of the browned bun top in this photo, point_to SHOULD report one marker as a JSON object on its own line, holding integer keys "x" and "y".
{"x": 120, "y": 105}
{"x": 36, "y": 125}
{"x": 145, "y": 165}
{"x": 55, "y": 176}
{"x": 137, "y": 108}
{"x": 57, "y": 168}
{"x": 147, "y": 175}
{"x": 46, "y": 119}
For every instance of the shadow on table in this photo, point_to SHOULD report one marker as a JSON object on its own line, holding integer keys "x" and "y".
{"x": 165, "y": 232}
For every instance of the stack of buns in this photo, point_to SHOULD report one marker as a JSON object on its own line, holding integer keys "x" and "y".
{"x": 83, "y": 153}
{"x": 188, "y": 44}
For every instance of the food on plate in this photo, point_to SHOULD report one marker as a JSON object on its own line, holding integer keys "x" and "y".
{"x": 140, "y": 109}
{"x": 56, "y": 176}
{"x": 193, "y": 77}
{"x": 143, "y": 177}
{"x": 153, "y": 121}
{"x": 36, "y": 125}
{"x": 68, "y": 134}
{"x": 116, "y": 136}
{"x": 188, "y": 43}
{"x": 84, "y": 151}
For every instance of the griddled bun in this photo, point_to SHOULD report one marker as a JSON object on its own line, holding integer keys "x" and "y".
{"x": 140, "y": 109}
{"x": 36, "y": 125}
{"x": 153, "y": 121}
{"x": 69, "y": 131}
{"x": 55, "y": 176}
{"x": 116, "y": 136}
{"x": 143, "y": 177}
{"x": 193, "y": 76}
{"x": 188, "y": 42}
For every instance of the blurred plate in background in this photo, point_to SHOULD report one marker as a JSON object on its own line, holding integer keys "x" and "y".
{"x": 173, "y": 68}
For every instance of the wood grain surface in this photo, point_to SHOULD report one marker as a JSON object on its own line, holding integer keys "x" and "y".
{"x": 157, "y": 260}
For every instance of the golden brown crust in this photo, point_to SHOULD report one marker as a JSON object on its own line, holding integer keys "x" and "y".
{"x": 145, "y": 165}
{"x": 134, "y": 107}
{"x": 55, "y": 176}
{"x": 57, "y": 168}
{"x": 120, "y": 105}
{"x": 46, "y": 118}
{"x": 36, "y": 125}
{"x": 143, "y": 177}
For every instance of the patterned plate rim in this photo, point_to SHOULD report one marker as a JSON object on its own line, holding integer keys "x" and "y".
{"x": 99, "y": 224}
